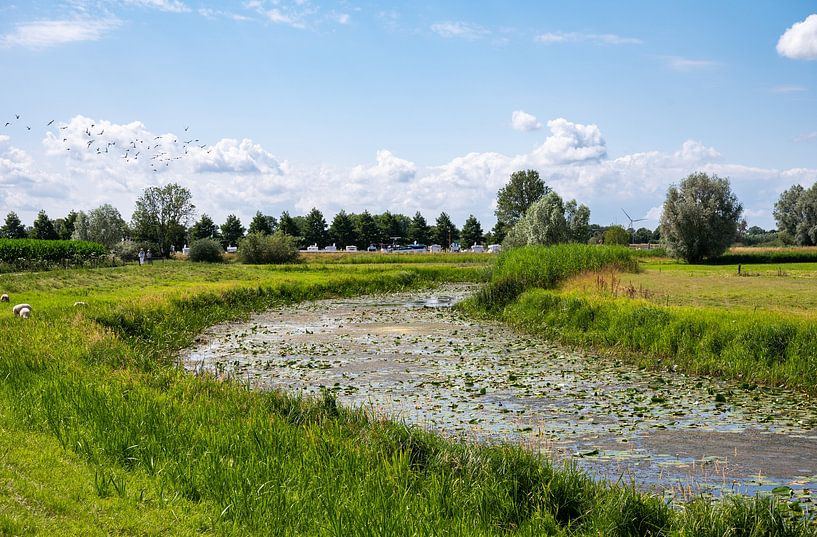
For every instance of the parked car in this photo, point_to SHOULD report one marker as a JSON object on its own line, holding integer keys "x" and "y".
{"x": 351, "y": 248}
{"x": 371, "y": 248}
{"x": 477, "y": 249}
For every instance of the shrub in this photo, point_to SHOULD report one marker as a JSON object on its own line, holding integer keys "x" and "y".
{"x": 259, "y": 249}
{"x": 206, "y": 250}
{"x": 129, "y": 250}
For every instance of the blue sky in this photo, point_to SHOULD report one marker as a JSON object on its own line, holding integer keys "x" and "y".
{"x": 403, "y": 106}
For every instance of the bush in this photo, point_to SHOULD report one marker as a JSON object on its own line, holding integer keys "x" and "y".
{"x": 260, "y": 249}
{"x": 129, "y": 250}
{"x": 206, "y": 250}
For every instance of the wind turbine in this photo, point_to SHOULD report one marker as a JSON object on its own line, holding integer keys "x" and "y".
{"x": 632, "y": 221}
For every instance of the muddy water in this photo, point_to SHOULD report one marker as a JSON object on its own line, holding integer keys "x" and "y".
{"x": 410, "y": 357}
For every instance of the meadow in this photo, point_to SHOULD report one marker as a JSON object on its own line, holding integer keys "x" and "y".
{"x": 103, "y": 434}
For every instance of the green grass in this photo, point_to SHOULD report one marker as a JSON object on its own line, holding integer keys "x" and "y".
{"x": 102, "y": 434}
{"x": 756, "y": 327}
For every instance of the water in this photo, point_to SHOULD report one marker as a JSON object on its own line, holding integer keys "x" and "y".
{"x": 411, "y": 357}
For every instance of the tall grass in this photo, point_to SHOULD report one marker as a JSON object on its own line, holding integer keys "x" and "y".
{"x": 103, "y": 383}
{"x": 754, "y": 347}
{"x": 545, "y": 267}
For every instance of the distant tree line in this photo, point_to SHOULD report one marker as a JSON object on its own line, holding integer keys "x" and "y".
{"x": 701, "y": 218}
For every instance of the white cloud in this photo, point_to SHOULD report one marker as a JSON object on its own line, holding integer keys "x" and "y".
{"x": 571, "y": 143}
{"x": 522, "y": 121}
{"x": 800, "y": 41}
{"x": 678, "y": 63}
{"x": 229, "y": 155}
{"x": 241, "y": 176}
{"x": 342, "y": 18}
{"x": 579, "y": 37}
{"x": 389, "y": 168}
{"x": 217, "y": 13}
{"x": 462, "y": 30}
{"x": 171, "y": 6}
{"x": 807, "y": 137}
{"x": 40, "y": 34}
{"x": 788, "y": 88}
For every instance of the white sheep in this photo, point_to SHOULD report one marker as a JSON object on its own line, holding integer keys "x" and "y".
{"x": 20, "y": 307}
{"x": 25, "y": 313}
{"x": 4, "y": 297}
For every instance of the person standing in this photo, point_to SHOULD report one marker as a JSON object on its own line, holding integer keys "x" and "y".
{"x": 141, "y": 256}
{"x": 149, "y": 258}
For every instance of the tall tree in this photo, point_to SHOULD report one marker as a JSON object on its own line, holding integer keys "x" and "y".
{"x": 471, "y": 232}
{"x": 388, "y": 230}
{"x": 444, "y": 232}
{"x": 162, "y": 215}
{"x": 103, "y": 225}
{"x": 13, "y": 228}
{"x": 342, "y": 230}
{"x": 65, "y": 226}
{"x": 232, "y": 231}
{"x": 261, "y": 224}
{"x": 419, "y": 231}
{"x": 796, "y": 215}
{"x": 205, "y": 228}
{"x": 700, "y": 218}
{"x": 314, "y": 231}
{"x": 513, "y": 199}
{"x": 578, "y": 222}
{"x": 287, "y": 225}
{"x": 43, "y": 228}
{"x": 367, "y": 230}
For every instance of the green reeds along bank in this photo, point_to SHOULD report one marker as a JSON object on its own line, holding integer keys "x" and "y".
{"x": 753, "y": 347}
{"x": 545, "y": 267}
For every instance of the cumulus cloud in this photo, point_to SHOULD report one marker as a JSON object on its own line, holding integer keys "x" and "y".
{"x": 462, "y": 30}
{"x": 571, "y": 143}
{"x": 229, "y": 155}
{"x": 242, "y": 176}
{"x": 41, "y": 34}
{"x": 522, "y": 121}
{"x": 579, "y": 37}
{"x": 800, "y": 41}
{"x": 389, "y": 169}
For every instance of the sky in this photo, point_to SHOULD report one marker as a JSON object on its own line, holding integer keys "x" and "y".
{"x": 276, "y": 105}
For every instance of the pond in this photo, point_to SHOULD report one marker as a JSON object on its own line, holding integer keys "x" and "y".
{"x": 411, "y": 357}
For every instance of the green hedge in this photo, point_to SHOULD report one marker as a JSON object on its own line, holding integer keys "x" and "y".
{"x": 766, "y": 257}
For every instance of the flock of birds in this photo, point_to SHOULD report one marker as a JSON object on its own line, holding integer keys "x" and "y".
{"x": 160, "y": 151}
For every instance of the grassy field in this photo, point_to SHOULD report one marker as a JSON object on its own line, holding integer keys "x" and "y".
{"x": 756, "y": 327}
{"x": 102, "y": 434}
{"x": 787, "y": 288}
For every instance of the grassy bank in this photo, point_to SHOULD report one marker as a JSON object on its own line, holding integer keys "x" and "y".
{"x": 102, "y": 434}
{"x": 728, "y": 324}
